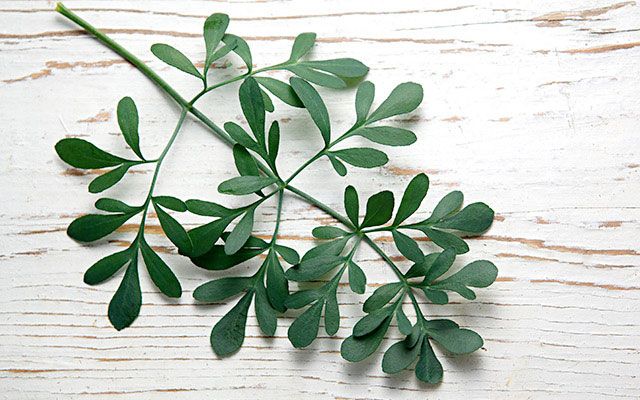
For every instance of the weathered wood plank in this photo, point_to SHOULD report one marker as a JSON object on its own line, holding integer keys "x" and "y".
{"x": 530, "y": 107}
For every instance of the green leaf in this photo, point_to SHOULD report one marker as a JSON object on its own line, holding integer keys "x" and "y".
{"x": 403, "y": 99}
{"x": 277, "y": 284}
{"x": 356, "y": 349}
{"x": 205, "y": 236}
{"x": 379, "y": 209}
{"x": 407, "y": 246}
{"x": 108, "y": 179}
{"x": 223, "y": 288}
{"x": 387, "y": 135}
{"x": 281, "y": 90}
{"x": 319, "y": 78}
{"x": 81, "y": 154}
{"x": 170, "y": 202}
{"x": 302, "y": 45}
{"x": 160, "y": 272}
{"x": 416, "y": 334}
{"x": 128, "y": 122}
{"x": 440, "y": 265}
{"x": 412, "y": 198}
{"x": 303, "y": 298}
{"x": 428, "y": 368}
{"x": 217, "y": 260}
{"x": 174, "y": 231}
{"x": 268, "y": 104}
{"x": 117, "y": 206}
{"x": 241, "y": 136}
{"x": 341, "y": 67}
{"x": 364, "y": 98}
{"x": 245, "y": 163}
{"x": 241, "y": 49}
{"x": 447, "y": 206}
{"x": 404, "y": 325}
{"x": 304, "y": 329}
{"x": 227, "y": 335}
{"x": 214, "y": 29}
{"x": 314, "y": 104}
{"x": 328, "y": 232}
{"x": 446, "y": 240}
{"x": 95, "y": 226}
{"x": 313, "y": 268}
{"x": 474, "y": 218}
{"x": 479, "y": 274}
{"x": 207, "y": 208}
{"x": 381, "y": 296}
{"x": 245, "y": 185}
{"x": 363, "y": 157}
{"x": 253, "y": 107}
{"x": 455, "y": 340}
{"x": 175, "y": 58}
{"x": 332, "y": 248}
{"x": 421, "y": 268}
{"x": 125, "y": 305}
{"x": 351, "y": 204}
{"x": 337, "y": 165}
{"x": 290, "y": 255}
{"x": 106, "y": 267}
{"x": 331, "y": 314}
{"x": 265, "y": 314}
{"x": 274, "y": 141}
{"x": 399, "y": 357}
{"x": 223, "y": 51}
{"x": 436, "y": 296}
{"x": 372, "y": 321}
{"x": 240, "y": 233}
{"x": 357, "y": 278}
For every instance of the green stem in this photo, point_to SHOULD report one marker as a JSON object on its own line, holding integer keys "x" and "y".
{"x": 172, "y": 139}
{"x": 322, "y": 152}
{"x": 188, "y": 106}
{"x": 278, "y": 215}
{"x": 305, "y": 165}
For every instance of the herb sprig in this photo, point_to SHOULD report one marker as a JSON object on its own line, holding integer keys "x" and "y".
{"x": 227, "y": 240}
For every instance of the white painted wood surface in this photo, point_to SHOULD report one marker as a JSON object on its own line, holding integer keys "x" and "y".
{"x": 531, "y": 107}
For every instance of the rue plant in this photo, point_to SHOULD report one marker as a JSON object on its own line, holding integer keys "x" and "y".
{"x": 227, "y": 240}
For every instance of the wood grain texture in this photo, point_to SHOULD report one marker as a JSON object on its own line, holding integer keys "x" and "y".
{"x": 531, "y": 107}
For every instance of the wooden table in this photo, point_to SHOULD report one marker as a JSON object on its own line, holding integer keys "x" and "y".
{"x": 532, "y": 107}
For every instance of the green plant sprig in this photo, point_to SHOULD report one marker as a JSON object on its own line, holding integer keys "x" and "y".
{"x": 269, "y": 284}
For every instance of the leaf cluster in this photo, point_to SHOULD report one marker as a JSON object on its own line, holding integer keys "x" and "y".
{"x": 228, "y": 239}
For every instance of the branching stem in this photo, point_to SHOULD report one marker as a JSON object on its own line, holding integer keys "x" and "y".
{"x": 188, "y": 106}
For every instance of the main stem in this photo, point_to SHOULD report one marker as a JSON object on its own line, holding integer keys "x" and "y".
{"x": 188, "y": 106}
